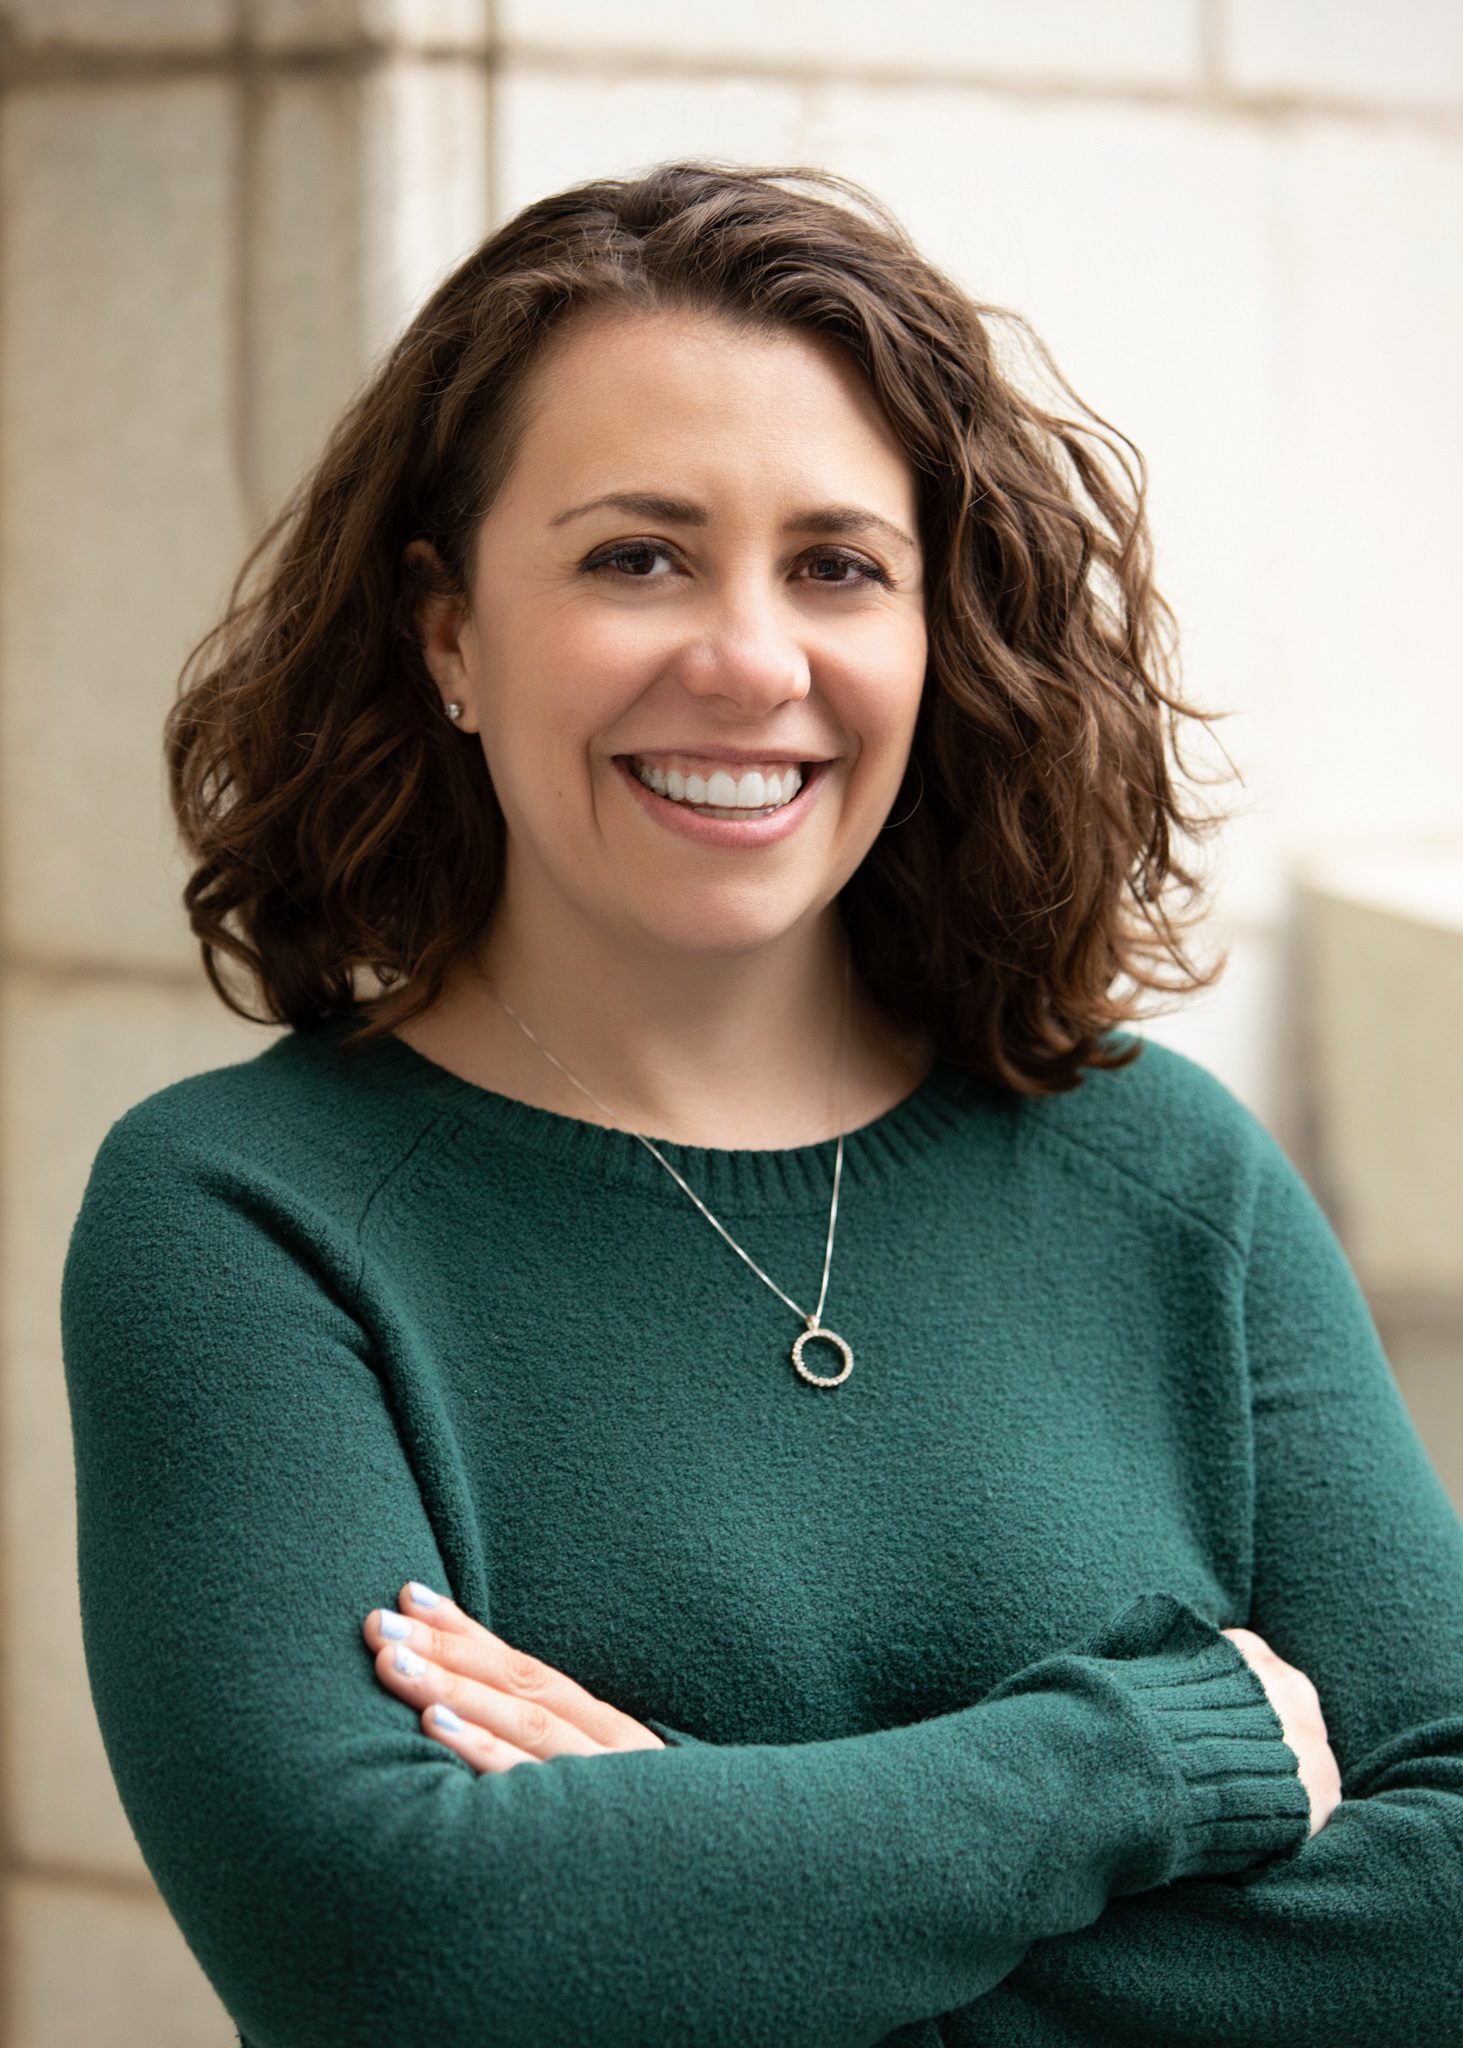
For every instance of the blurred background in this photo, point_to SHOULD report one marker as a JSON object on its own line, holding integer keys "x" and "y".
{"x": 1236, "y": 223}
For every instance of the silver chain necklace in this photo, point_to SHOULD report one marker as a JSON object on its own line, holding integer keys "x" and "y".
{"x": 815, "y": 1328}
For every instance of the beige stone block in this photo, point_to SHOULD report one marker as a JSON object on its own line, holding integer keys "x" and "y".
{"x": 424, "y": 185}
{"x": 1406, "y": 54}
{"x": 74, "y": 1054}
{"x": 1136, "y": 41}
{"x": 367, "y": 189}
{"x": 130, "y": 25}
{"x": 293, "y": 24}
{"x": 122, "y": 510}
{"x": 1383, "y": 958}
{"x": 1365, "y": 531}
{"x": 89, "y": 1966}
{"x": 552, "y": 128}
{"x": 306, "y": 343}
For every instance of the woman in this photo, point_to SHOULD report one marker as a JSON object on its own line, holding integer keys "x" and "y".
{"x": 727, "y": 1314}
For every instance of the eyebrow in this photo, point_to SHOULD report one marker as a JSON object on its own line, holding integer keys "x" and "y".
{"x": 840, "y": 519}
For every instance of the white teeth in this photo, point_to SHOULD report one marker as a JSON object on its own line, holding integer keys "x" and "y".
{"x": 751, "y": 791}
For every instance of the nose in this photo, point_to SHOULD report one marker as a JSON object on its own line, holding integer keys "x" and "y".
{"x": 746, "y": 654}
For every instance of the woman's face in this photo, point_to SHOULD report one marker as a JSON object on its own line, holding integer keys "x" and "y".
{"x": 705, "y": 562}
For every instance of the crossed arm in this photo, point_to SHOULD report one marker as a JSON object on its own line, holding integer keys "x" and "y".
{"x": 1358, "y": 1579}
{"x": 1105, "y": 1842}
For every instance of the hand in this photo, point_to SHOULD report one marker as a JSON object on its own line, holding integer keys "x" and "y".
{"x": 1295, "y": 1700}
{"x": 513, "y": 1709}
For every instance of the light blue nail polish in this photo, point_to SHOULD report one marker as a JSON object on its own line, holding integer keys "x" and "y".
{"x": 408, "y": 1663}
{"x": 444, "y": 1717}
{"x": 394, "y": 1625}
{"x": 421, "y": 1596}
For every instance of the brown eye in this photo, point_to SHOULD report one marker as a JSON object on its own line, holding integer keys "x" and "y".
{"x": 868, "y": 572}
{"x": 613, "y": 558}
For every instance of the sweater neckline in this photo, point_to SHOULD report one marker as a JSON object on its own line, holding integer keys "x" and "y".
{"x": 904, "y": 1138}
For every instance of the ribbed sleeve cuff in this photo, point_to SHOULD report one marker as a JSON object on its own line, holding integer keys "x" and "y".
{"x": 1243, "y": 1801}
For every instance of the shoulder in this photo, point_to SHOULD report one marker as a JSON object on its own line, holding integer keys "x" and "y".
{"x": 230, "y": 1200}
{"x": 1162, "y": 1127}
{"x": 297, "y": 1127}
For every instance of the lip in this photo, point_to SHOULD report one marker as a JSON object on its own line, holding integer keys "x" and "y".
{"x": 729, "y": 832}
{"x": 740, "y": 756}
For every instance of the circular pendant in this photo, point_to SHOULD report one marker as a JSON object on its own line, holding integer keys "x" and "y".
{"x": 819, "y": 1379}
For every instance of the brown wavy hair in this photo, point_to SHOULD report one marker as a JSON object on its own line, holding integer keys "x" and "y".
{"x": 342, "y": 827}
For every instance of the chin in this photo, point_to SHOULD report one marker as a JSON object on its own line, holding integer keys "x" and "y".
{"x": 711, "y": 928}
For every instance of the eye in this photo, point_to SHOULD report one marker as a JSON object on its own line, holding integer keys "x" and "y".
{"x": 868, "y": 572}
{"x": 614, "y": 560}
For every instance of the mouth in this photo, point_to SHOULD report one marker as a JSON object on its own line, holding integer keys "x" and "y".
{"x": 720, "y": 786}
{"x": 740, "y": 824}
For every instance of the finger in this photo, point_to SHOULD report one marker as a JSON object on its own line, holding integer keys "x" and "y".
{"x": 476, "y": 1746}
{"x": 526, "y": 1723}
{"x": 452, "y": 1638}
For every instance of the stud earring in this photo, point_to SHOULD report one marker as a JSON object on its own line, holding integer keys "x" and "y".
{"x": 454, "y": 709}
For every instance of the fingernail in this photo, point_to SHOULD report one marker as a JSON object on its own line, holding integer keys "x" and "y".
{"x": 395, "y": 1625}
{"x": 408, "y": 1663}
{"x": 421, "y": 1596}
{"x": 444, "y": 1717}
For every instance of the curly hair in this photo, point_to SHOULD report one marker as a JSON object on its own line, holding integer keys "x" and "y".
{"x": 340, "y": 826}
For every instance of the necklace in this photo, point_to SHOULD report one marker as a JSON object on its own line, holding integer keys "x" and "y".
{"x": 814, "y": 1325}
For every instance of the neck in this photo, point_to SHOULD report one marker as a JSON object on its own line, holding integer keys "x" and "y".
{"x": 725, "y": 1049}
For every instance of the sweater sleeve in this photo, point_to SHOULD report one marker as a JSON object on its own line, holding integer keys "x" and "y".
{"x": 244, "y": 1497}
{"x": 1358, "y": 1581}
{"x": 671, "y": 1737}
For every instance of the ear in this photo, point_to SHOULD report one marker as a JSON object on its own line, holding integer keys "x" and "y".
{"x": 440, "y": 622}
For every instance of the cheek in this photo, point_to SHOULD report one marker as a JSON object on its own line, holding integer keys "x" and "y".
{"x": 583, "y": 640}
{"x": 881, "y": 706}
{"x": 882, "y": 677}
{"x": 586, "y": 674}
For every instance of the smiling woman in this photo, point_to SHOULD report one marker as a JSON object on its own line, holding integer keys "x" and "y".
{"x": 690, "y": 464}
{"x": 696, "y": 693}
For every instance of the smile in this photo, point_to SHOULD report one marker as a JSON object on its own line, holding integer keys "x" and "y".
{"x": 720, "y": 790}
{"x": 745, "y": 825}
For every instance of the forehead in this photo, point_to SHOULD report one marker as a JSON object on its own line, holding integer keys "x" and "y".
{"x": 689, "y": 389}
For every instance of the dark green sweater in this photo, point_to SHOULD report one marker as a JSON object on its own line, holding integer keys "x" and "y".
{"x": 957, "y": 1750}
